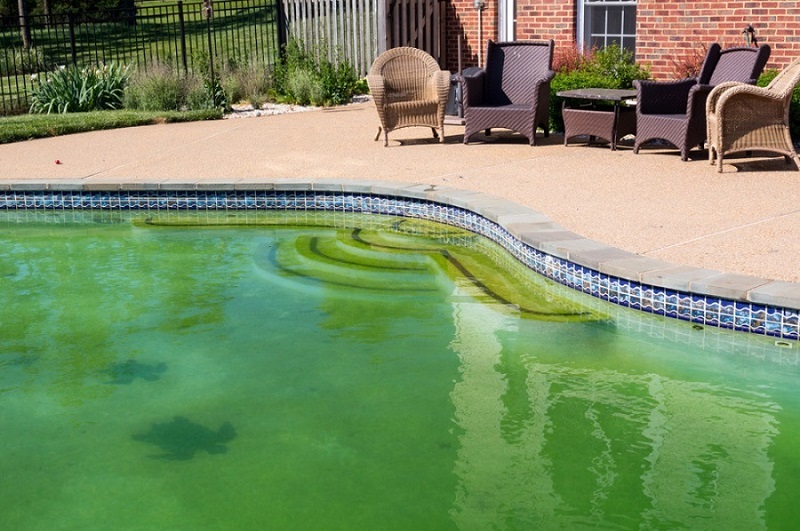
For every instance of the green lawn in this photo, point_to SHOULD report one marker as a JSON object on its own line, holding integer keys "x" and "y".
{"x": 29, "y": 126}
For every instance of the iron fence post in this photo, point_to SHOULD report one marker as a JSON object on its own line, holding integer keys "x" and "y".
{"x": 282, "y": 27}
{"x": 183, "y": 37}
{"x": 72, "y": 47}
{"x": 209, "y": 12}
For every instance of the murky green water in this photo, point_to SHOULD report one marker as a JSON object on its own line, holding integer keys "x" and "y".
{"x": 374, "y": 373}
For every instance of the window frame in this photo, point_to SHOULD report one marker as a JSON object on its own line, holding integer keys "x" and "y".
{"x": 584, "y": 33}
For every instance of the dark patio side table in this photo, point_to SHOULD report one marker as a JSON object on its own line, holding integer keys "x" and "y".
{"x": 598, "y": 112}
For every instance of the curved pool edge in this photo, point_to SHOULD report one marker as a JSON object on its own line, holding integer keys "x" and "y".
{"x": 709, "y": 297}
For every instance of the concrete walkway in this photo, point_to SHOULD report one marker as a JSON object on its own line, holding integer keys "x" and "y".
{"x": 745, "y": 220}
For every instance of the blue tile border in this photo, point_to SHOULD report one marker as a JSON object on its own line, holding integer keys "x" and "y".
{"x": 703, "y": 309}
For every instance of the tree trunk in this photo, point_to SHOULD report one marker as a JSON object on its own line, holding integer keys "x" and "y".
{"x": 46, "y": 11}
{"x": 24, "y": 28}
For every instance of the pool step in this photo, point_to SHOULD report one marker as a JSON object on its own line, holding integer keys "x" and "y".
{"x": 412, "y": 262}
{"x": 336, "y": 259}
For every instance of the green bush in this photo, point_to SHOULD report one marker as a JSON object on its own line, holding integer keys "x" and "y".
{"x": 610, "y": 67}
{"x": 794, "y": 106}
{"x": 617, "y": 64}
{"x": 94, "y": 88}
{"x": 299, "y": 86}
{"x": 310, "y": 78}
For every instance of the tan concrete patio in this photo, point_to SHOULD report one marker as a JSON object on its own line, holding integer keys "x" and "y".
{"x": 745, "y": 220}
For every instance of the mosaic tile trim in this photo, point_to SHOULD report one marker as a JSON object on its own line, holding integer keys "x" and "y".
{"x": 704, "y": 310}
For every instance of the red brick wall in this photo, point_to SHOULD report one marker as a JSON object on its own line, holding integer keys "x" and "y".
{"x": 536, "y": 20}
{"x": 546, "y": 19}
{"x": 668, "y": 34}
{"x": 462, "y": 21}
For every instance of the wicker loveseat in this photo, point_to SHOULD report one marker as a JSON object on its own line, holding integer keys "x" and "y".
{"x": 409, "y": 89}
{"x": 744, "y": 118}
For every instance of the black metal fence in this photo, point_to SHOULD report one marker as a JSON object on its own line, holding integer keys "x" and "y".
{"x": 179, "y": 34}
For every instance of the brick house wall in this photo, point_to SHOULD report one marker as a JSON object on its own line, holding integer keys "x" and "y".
{"x": 463, "y": 22}
{"x": 669, "y": 34}
{"x": 664, "y": 36}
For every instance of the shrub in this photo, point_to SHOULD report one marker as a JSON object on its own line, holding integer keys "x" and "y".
{"x": 163, "y": 88}
{"x": 794, "y": 106}
{"x": 338, "y": 81}
{"x": 309, "y": 77}
{"x": 618, "y": 64}
{"x": 361, "y": 86}
{"x": 247, "y": 81}
{"x": 299, "y": 85}
{"x": 160, "y": 88}
{"x": 95, "y": 88}
{"x": 689, "y": 62}
{"x": 610, "y": 67}
{"x": 215, "y": 95}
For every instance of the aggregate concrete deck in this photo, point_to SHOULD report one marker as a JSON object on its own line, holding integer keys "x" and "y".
{"x": 681, "y": 223}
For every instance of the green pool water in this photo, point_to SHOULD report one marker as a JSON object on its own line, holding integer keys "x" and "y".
{"x": 309, "y": 371}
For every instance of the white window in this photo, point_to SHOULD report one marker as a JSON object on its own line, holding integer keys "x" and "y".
{"x": 603, "y": 22}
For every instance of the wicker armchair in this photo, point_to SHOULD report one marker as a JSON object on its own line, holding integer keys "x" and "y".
{"x": 747, "y": 118}
{"x": 512, "y": 92}
{"x": 675, "y": 111}
{"x": 409, "y": 90}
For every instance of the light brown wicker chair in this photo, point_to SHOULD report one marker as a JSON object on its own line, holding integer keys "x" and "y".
{"x": 745, "y": 118}
{"x": 409, "y": 90}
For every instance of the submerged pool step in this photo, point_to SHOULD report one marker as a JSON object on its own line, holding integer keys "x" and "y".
{"x": 331, "y": 260}
{"x": 401, "y": 263}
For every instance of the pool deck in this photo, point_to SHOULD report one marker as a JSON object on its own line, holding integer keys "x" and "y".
{"x": 735, "y": 231}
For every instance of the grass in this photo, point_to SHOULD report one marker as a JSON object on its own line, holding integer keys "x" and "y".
{"x": 30, "y": 126}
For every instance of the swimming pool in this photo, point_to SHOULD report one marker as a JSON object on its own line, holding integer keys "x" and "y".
{"x": 241, "y": 369}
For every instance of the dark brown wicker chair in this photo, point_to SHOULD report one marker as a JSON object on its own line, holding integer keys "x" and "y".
{"x": 409, "y": 90}
{"x": 744, "y": 118}
{"x": 512, "y": 92}
{"x": 675, "y": 111}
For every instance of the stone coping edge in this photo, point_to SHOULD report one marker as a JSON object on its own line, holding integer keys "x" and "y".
{"x": 523, "y": 223}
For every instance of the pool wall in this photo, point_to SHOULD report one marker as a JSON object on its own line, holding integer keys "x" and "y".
{"x": 702, "y": 296}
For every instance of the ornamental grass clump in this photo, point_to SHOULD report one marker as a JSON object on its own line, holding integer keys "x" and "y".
{"x": 164, "y": 88}
{"x": 245, "y": 80}
{"x": 71, "y": 89}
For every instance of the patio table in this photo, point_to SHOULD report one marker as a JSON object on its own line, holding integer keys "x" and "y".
{"x": 598, "y": 112}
